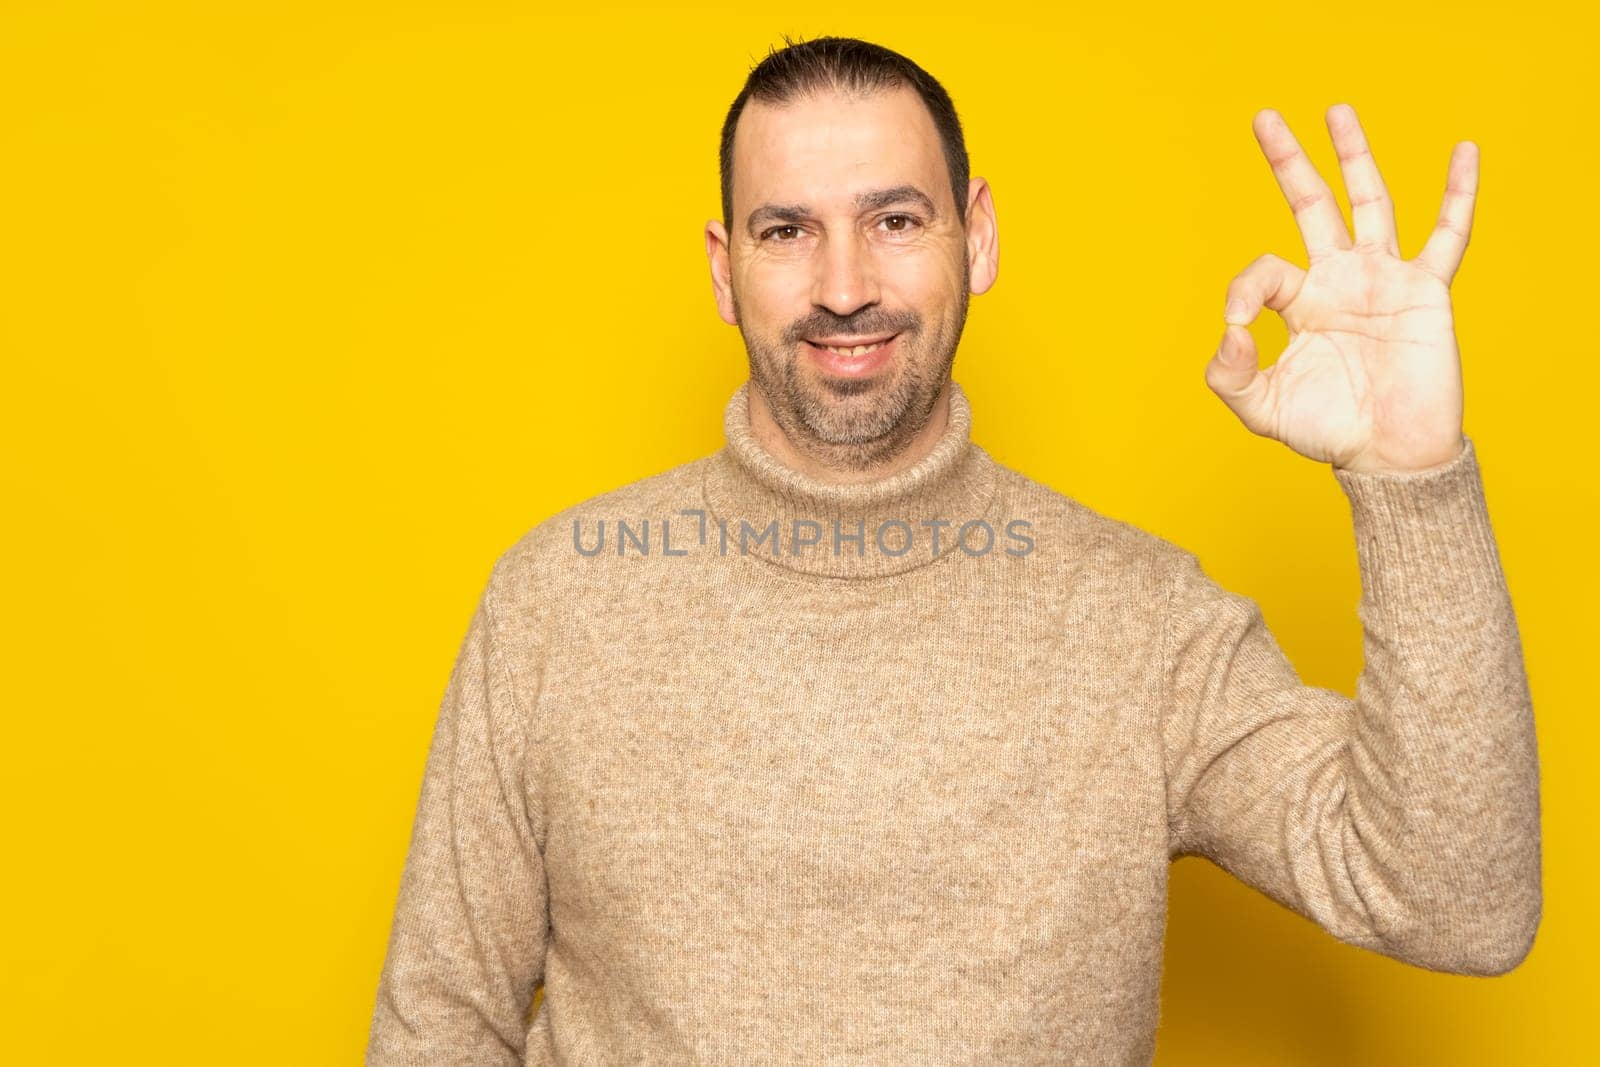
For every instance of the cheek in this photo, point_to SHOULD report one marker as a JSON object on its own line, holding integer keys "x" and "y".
{"x": 926, "y": 284}
{"x": 772, "y": 297}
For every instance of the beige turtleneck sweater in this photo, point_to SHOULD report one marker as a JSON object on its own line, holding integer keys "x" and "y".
{"x": 894, "y": 805}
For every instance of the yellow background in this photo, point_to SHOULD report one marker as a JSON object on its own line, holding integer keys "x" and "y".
{"x": 309, "y": 311}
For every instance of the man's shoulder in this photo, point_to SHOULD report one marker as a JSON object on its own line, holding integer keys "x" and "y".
{"x": 545, "y": 552}
{"x": 1079, "y": 531}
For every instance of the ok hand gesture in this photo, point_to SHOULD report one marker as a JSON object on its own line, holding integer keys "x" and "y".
{"x": 1371, "y": 379}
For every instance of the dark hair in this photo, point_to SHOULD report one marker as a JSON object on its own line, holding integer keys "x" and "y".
{"x": 850, "y": 65}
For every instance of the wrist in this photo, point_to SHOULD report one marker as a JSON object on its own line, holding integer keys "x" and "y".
{"x": 1425, "y": 462}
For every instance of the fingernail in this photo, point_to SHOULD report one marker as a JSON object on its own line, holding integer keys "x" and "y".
{"x": 1236, "y": 311}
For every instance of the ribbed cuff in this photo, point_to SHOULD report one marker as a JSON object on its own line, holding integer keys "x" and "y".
{"x": 1423, "y": 538}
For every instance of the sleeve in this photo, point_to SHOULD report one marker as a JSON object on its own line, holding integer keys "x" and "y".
{"x": 467, "y": 946}
{"x": 1405, "y": 821}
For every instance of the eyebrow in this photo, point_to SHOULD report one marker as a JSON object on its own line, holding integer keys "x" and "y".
{"x": 869, "y": 200}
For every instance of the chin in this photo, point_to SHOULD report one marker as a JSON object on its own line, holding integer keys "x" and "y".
{"x": 845, "y": 388}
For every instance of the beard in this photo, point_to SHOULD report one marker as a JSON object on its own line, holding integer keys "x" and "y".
{"x": 856, "y": 424}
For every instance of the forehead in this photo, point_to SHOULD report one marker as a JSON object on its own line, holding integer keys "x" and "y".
{"x": 821, "y": 149}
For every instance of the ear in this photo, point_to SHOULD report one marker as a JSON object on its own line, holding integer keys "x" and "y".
{"x": 983, "y": 236}
{"x": 721, "y": 261}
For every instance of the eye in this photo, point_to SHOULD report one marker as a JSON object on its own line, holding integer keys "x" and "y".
{"x": 768, "y": 233}
{"x": 911, "y": 223}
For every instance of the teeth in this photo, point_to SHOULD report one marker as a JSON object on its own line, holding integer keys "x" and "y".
{"x": 858, "y": 350}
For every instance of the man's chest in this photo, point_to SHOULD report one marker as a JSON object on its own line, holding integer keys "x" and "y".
{"x": 850, "y": 760}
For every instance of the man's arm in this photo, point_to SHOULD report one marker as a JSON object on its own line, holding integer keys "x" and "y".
{"x": 1405, "y": 821}
{"x": 467, "y": 947}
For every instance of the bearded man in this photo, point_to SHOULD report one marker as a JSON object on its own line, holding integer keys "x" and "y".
{"x": 902, "y": 782}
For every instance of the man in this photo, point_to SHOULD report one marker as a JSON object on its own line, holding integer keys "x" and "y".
{"x": 847, "y": 743}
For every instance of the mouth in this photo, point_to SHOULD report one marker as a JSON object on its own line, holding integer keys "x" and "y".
{"x": 851, "y": 357}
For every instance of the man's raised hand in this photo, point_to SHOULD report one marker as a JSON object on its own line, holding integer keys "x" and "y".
{"x": 1371, "y": 378}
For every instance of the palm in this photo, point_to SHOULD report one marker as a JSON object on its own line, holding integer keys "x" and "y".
{"x": 1371, "y": 356}
{"x": 1371, "y": 377}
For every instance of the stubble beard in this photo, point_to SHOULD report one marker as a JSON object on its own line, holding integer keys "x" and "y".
{"x": 856, "y": 424}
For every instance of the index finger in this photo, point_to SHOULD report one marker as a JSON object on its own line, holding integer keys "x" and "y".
{"x": 1315, "y": 210}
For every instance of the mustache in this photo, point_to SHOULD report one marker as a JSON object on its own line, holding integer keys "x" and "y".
{"x": 859, "y": 327}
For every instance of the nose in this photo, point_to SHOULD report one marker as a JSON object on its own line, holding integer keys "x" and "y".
{"x": 846, "y": 278}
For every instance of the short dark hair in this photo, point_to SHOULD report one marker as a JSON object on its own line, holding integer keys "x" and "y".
{"x": 850, "y": 65}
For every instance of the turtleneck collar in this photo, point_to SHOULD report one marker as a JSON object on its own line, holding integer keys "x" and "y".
{"x": 863, "y": 530}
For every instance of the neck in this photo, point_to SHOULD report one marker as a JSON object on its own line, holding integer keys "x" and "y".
{"x": 843, "y": 465}
{"x": 857, "y": 528}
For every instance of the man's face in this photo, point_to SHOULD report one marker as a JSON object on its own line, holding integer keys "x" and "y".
{"x": 845, "y": 230}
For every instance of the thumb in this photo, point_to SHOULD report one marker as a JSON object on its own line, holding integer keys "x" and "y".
{"x": 1233, "y": 375}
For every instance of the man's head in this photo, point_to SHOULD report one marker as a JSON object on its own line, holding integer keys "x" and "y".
{"x": 848, "y": 216}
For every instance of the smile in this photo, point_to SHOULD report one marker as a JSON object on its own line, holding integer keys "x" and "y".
{"x": 857, "y": 350}
{"x": 853, "y": 361}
